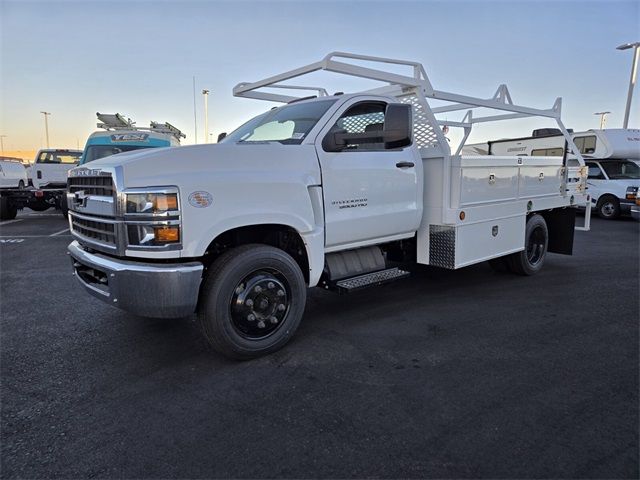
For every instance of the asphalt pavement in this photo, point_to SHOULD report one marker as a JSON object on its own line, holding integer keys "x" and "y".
{"x": 449, "y": 374}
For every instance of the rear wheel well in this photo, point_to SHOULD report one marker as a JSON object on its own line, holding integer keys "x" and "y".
{"x": 280, "y": 236}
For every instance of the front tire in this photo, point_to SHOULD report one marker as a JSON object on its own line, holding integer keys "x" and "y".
{"x": 530, "y": 260}
{"x": 608, "y": 207}
{"x": 252, "y": 301}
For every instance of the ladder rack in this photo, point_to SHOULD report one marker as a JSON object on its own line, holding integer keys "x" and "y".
{"x": 115, "y": 121}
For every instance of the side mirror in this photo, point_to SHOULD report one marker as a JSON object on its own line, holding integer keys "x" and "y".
{"x": 221, "y": 136}
{"x": 397, "y": 126}
{"x": 334, "y": 141}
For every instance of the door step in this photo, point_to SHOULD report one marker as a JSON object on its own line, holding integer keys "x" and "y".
{"x": 347, "y": 285}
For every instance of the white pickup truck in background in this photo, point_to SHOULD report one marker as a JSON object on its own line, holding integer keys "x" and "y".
{"x": 41, "y": 185}
{"x": 51, "y": 166}
{"x": 339, "y": 191}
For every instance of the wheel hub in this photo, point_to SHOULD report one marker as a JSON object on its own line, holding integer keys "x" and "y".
{"x": 259, "y": 305}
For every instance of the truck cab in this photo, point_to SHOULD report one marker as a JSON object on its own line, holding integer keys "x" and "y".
{"x": 613, "y": 184}
{"x": 119, "y": 134}
{"x": 51, "y": 166}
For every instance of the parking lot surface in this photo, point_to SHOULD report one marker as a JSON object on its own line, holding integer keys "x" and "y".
{"x": 455, "y": 374}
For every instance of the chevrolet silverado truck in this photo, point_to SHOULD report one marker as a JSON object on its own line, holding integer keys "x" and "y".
{"x": 334, "y": 191}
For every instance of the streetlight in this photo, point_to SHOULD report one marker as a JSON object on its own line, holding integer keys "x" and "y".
{"x": 46, "y": 126}
{"x": 632, "y": 80}
{"x": 206, "y": 115}
{"x": 603, "y": 120}
{"x": 2, "y": 143}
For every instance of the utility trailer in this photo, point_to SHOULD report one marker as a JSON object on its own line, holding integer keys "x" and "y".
{"x": 338, "y": 191}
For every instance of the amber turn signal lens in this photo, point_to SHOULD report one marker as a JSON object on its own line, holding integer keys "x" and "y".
{"x": 167, "y": 234}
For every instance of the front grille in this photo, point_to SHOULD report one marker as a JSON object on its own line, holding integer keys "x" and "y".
{"x": 98, "y": 185}
{"x": 102, "y": 232}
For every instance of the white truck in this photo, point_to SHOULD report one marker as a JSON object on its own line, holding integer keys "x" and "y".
{"x": 13, "y": 174}
{"x": 51, "y": 166}
{"x": 48, "y": 175}
{"x": 119, "y": 134}
{"x": 338, "y": 191}
{"x": 612, "y": 156}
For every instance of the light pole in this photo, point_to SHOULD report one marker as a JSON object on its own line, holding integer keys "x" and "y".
{"x": 2, "y": 143}
{"x": 603, "y": 119}
{"x": 632, "y": 80}
{"x": 206, "y": 115}
{"x": 46, "y": 126}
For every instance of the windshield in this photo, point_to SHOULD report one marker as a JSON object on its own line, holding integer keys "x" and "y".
{"x": 94, "y": 152}
{"x": 58, "y": 156}
{"x": 621, "y": 169}
{"x": 288, "y": 125}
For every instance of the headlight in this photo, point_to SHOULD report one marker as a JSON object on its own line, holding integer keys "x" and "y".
{"x": 631, "y": 193}
{"x": 151, "y": 203}
{"x": 152, "y": 218}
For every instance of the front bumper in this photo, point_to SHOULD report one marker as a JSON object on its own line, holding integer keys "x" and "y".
{"x": 145, "y": 289}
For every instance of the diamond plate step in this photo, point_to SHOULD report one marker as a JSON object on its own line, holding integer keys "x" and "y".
{"x": 370, "y": 279}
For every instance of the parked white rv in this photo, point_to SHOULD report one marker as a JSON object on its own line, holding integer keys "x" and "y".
{"x": 611, "y": 155}
{"x": 327, "y": 191}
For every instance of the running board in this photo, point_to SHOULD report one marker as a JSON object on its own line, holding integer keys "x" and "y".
{"x": 351, "y": 284}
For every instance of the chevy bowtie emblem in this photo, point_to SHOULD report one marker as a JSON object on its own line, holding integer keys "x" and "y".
{"x": 80, "y": 199}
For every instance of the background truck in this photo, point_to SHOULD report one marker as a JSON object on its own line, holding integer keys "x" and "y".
{"x": 339, "y": 191}
{"x": 48, "y": 184}
{"x": 612, "y": 156}
{"x": 13, "y": 174}
{"x": 119, "y": 134}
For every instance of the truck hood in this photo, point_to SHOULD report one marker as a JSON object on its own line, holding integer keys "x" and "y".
{"x": 199, "y": 164}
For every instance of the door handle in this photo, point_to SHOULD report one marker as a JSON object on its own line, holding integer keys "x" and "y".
{"x": 405, "y": 164}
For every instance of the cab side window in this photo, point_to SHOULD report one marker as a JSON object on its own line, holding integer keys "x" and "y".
{"x": 366, "y": 117}
{"x": 595, "y": 173}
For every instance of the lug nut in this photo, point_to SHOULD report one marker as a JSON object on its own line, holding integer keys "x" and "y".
{"x": 249, "y": 303}
{"x": 281, "y": 293}
{"x": 239, "y": 289}
{"x": 258, "y": 289}
{"x": 251, "y": 317}
{"x": 281, "y": 308}
{"x": 271, "y": 285}
{"x": 273, "y": 320}
{"x": 261, "y": 324}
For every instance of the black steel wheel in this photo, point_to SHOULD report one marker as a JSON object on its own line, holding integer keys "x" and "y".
{"x": 608, "y": 207}
{"x": 252, "y": 301}
{"x": 530, "y": 260}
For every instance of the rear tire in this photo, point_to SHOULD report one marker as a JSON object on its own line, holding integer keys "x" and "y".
{"x": 252, "y": 301}
{"x": 608, "y": 207}
{"x": 20, "y": 185}
{"x": 530, "y": 260}
{"x": 7, "y": 211}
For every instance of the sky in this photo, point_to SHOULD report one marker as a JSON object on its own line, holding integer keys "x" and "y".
{"x": 138, "y": 58}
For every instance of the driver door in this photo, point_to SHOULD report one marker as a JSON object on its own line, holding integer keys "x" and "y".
{"x": 370, "y": 193}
